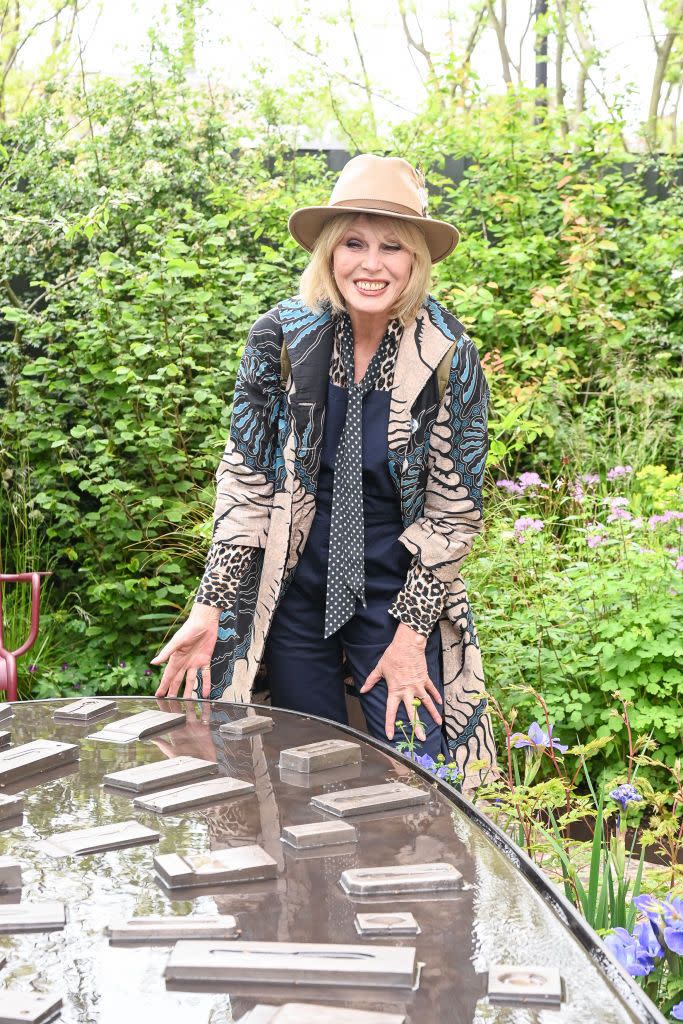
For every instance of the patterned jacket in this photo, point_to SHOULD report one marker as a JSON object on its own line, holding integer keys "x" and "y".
{"x": 267, "y": 485}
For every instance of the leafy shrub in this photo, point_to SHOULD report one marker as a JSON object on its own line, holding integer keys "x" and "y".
{"x": 578, "y": 589}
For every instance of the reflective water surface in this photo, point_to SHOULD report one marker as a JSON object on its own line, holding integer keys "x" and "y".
{"x": 497, "y": 918}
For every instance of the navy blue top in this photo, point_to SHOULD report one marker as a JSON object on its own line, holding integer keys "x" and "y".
{"x": 386, "y": 560}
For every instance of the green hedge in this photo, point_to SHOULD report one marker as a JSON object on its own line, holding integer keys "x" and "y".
{"x": 141, "y": 240}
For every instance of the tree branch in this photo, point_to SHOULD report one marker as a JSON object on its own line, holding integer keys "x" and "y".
{"x": 330, "y": 72}
{"x": 499, "y": 26}
{"x": 361, "y": 57}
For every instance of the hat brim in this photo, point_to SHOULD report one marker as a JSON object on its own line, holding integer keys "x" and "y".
{"x": 306, "y": 224}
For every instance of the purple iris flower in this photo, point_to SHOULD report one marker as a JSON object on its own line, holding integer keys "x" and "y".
{"x": 428, "y": 762}
{"x": 147, "y": 672}
{"x": 648, "y": 905}
{"x": 625, "y": 795}
{"x": 65, "y": 666}
{"x": 673, "y": 924}
{"x": 537, "y": 739}
{"x": 122, "y": 664}
{"x": 637, "y": 952}
{"x": 677, "y": 1011}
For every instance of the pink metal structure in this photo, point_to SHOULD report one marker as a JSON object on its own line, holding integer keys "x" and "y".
{"x": 8, "y": 659}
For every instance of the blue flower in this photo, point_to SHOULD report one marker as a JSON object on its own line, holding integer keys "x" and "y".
{"x": 625, "y": 795}
{"x": 648, "y": 905}
{"x": 428, "y": 762}
{"x": 637, "y": 952}
{"x": 537, "y": 739}
{"x": 677, "y": 1011}
{"x": 673, "y": 924}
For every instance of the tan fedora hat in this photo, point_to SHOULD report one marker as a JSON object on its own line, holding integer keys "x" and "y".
{"x": 386, "y": 186}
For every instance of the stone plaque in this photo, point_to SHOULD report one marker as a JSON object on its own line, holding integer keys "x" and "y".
{"x": 199, "y": 794}
{"x": 293, "y": 963}
{"x": 247, "y": 726}
{"x": 84, "y": 710}
{"x": 10, "y": 806}
{"x": 6, "y": 711}
{"x": 365, "y": 799}
{"x": 524, "y": 985}
{"x": 317, "y": 1013}
{"x": 319, "y": 833}
{"x": 159, "y": 929}
{"x": 37, "y": 756}
{"x": 10, "y": 874}
{"x": 311, "y": 1013}
{"x": 387, "y": 924}
{"x": 315, "y": 757}
{"x": 135, "y": 727}
{"x": 100, "y": 838}
{"x": 400, "y": 878}
{"x": 316, "y": 780}
{"x": 31, "y": 917}
{"x": 241, "y": 864}
{"x": 146, "y": 777}
{"x": 27, "y": 1007}
{"x": 5, "y": 739}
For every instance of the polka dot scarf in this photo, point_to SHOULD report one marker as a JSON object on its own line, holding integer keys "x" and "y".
{"x": 346, "y": 561}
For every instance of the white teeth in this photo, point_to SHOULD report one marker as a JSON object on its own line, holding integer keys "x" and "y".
{"x": 370, "y": 286}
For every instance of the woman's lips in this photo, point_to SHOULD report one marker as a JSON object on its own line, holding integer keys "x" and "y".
{"x": 371, "y": 287}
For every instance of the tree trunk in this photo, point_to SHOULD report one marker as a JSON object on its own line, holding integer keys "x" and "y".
{"x": 663, "y": 52}
{"x": 500, "y": 25}
{"x": 560, "y": 90}
{"x": 541, "y": 48}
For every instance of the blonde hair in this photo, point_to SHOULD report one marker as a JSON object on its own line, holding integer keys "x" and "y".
{"x": 318, "y": 286}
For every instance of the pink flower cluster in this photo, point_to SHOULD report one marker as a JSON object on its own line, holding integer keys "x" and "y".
{"x": 617, "y": 471}
{"x": 669, "y": 516}
{"x": 524, "y": 482}
{"x": 524, "y": 524}
{"x": 619, "y": 511}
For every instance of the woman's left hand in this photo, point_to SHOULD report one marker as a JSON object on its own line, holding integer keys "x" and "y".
{"x": 403, "y": 666}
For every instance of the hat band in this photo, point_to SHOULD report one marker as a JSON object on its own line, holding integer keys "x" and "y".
{"x": 378, "y": 204}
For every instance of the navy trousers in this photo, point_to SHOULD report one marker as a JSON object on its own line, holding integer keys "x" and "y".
{"x": 305, "y": 670}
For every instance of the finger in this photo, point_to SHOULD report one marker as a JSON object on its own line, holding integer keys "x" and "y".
{"x": 390, "y": 720}
{"x": 190, "y": 682}
{"x": 372, "y": 679}
{"x": 171, "y": 679}
{"x": 163, "y": 654}
{"x": 413, "y": 715}
{"x": 206, "y": 681}
{"x": 428, "y": 705}
{"x": 431, "y": 689}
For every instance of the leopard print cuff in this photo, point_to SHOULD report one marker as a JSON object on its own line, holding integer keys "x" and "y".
{"x": 421, "y": 601}
{"x": 225, "y": 566}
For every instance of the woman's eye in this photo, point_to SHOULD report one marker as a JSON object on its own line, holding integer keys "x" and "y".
{"x": 353, "y": 243}
{"x": 391, "y": 247}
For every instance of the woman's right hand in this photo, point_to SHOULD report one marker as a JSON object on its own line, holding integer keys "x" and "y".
{"x": 188, "y": 650}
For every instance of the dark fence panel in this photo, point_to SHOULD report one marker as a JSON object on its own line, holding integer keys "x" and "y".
{"x": 646, "y": 167}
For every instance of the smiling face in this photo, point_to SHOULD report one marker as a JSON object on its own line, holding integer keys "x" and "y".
{"x": 371, "y": 267}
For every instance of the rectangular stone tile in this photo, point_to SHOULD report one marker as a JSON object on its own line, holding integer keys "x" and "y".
{"x": 319, "y": 833}
{"x": 158, "y": 929}
{"x": 199, "y": 794}
{"x": 27, "y": 1007}
{"x": 84, "y": 710}
{"x": 315, "y": 757}
{"x": 136, "y": 727}
{"x": 400, "y": 878}
{"x": 100, "y": 838}
{"x": 144, "y": 778}
{"x": 365, "y": 799}
{"x": 36, "y": 756}
{"x": 240, "y": 864}
{"x": 32, "y": 917}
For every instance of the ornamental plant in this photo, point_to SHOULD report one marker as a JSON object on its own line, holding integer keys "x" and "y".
{"x": 652, "y": 952}
{"x": 543, "y": 789}
{"x": 576, "y": 588}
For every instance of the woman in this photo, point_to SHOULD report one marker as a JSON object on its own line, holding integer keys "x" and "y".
{"x": 351, "y": 486}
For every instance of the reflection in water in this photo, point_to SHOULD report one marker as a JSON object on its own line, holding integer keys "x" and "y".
{"x": 497, "y": 915}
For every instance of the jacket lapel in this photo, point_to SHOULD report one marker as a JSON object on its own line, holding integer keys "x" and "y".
{"x": 424, "y": 344}
{"x": 309, "y": 338}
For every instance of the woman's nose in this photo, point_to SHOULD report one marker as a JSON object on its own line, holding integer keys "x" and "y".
{"x": 372, "y": 260}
